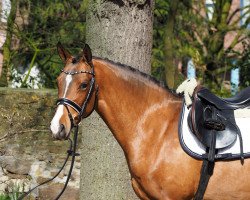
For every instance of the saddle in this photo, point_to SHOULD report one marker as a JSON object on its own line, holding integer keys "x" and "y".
{"x": 211, "y": 119}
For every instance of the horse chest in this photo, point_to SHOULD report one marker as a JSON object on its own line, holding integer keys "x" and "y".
{"x": 163, "y": 175}
{"x": 152, "y": 177}
{"x": 157, "y": 185}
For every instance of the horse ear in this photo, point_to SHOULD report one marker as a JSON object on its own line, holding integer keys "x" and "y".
{"x": 63, "y": 53}
{"x": 87, "y": 53}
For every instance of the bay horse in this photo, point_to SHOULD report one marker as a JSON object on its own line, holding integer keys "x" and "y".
{"x": 143, "y": 117}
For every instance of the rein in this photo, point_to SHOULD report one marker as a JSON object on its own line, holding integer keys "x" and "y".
{"x": 80, "y": 110}
{"x": 70, "y": 152}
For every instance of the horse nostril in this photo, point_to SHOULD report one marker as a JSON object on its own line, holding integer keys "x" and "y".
{"x": 62, "y": 127}
{"x": 62, "y": 132}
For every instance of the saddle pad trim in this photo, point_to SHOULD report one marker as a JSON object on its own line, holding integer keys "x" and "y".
{"x": 181, "y": 140}
{"x": 202, "y": 154}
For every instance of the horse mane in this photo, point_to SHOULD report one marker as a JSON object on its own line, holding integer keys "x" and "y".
{"x": 140, "y": 73}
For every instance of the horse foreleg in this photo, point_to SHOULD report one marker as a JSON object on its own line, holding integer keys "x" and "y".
{"x": 138, "y": 190}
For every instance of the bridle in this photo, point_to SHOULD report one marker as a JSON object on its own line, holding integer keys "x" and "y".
{"x": 81, "y": 111}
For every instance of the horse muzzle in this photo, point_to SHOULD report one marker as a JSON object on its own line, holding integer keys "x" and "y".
{"x": 60, "y": 134}
{"x": 60, "y": 125}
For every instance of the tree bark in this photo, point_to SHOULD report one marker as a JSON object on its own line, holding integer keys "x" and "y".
{"x": 4, "y": 78}
{"x": 122, "y": 32}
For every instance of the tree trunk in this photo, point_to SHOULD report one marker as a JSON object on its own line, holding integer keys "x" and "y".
{"x": 122, "y": 32}
{"x": 4, "y": 78}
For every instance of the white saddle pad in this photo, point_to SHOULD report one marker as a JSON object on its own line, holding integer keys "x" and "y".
{"x": 196, "y": 149}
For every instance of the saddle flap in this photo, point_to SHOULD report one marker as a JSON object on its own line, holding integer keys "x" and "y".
{"x": 205, "y": 120}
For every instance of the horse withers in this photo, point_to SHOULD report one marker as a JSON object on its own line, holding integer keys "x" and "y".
{"x": 159, "y": 167}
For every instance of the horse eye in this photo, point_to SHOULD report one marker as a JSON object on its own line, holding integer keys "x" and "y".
{"x": 83, "y": 86}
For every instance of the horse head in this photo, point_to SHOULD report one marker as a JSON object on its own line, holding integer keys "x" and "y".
{"x": 76, "y": 84}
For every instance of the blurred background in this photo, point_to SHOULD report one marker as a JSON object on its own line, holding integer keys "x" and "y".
{"x": 206, "y": 39}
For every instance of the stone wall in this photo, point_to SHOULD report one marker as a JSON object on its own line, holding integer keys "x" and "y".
{"x": 28, "y": 153}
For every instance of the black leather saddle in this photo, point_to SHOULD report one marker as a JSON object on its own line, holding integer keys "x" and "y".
{"x": 241, "y": 100}
{"x": 211, "y": 119}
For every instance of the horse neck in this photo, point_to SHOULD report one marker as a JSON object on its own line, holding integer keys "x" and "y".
{"x": 126, "y": 98}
